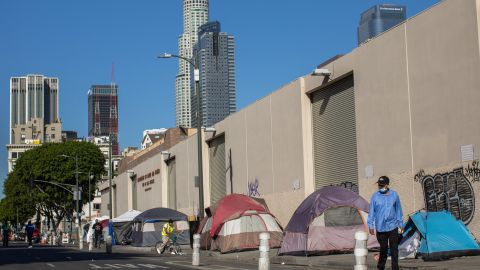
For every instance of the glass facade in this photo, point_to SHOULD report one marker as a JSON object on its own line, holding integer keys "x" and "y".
{"x": 379, "y": 19}
{"x": 215, "y": 53}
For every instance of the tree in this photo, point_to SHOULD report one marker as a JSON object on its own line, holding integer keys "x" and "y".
{"x": 47, "y": 163}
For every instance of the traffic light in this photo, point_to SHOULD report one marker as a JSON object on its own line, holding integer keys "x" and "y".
{"x": 32, "y": 182}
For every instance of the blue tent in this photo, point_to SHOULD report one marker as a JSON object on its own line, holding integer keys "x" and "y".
{"x": 442, "y": 236}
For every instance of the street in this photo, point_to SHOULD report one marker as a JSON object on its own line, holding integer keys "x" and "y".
{"x": 18, "y": 256}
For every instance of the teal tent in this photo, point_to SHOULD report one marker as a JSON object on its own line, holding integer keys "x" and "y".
{"x": 439, "y": 236}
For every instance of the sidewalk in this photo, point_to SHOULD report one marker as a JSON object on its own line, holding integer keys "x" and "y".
{"x": 338, "y": 261}
{"x": 347, "y": 261}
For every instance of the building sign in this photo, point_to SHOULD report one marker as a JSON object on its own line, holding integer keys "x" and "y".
{"x": 147, "y": 179}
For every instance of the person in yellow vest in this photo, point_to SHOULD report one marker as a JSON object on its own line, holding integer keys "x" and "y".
{"x": 167, "y": 230}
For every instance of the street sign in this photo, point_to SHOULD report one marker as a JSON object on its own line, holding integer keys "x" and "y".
{"x": 77, "y": 195}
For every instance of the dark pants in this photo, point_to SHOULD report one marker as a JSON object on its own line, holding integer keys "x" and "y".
{"x": 386, "y": 239}
{"x": 29, "y": 237}
{"x": 96, "y": 239}
{"x": 5, "y": 238}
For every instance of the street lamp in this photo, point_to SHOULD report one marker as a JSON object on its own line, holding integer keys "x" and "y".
{"x": 194, "y": 63}
{"x": 77, "y": 191}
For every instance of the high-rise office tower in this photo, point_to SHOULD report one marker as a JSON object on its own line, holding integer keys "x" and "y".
{"x": 195, "y": 14}
{"x": 103, "y": 113}
{"x": 34, "y": 116}
{"x": 33, "y": 96}
{"x": 215, "y": 53}
{"x": 378, "y": 19}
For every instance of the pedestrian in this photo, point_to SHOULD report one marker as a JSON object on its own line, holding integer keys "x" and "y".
{"x": 98, "y": 230}
{"x": 167, "y": 231}
{"x": 385, "y": 219}
{"x": 6, "y": 228}
{"x": 29, "y": 231}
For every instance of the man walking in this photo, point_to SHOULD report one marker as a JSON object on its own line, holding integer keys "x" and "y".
{"x": 98, "y": 230}
{"x": 6, "y": 228}
{"x": 386, "y": 219}
{"x": 29, "y": 231}
{"x": 167, "y": 230}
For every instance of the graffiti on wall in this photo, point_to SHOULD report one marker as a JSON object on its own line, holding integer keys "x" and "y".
{"x": 253, "y": 188}
{"x": 472, "y": 171}
{"x": 348, "y": 185}
{"x": 450, "y": 191}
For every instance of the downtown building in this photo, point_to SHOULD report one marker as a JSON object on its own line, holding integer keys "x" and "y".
{"x": 103, "y": 113}
{"x": 215, "y": 55}
{"x": 195, "y": 14}
{"x": 34, "y": 118}
{"x": 379, "y": 19}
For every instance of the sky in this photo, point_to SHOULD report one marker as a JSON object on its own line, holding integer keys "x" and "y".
{"x": 276, "y": 41}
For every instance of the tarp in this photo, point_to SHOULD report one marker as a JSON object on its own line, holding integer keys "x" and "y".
{"x": 442, "y": 236}
{"x": 127, "y": 216}
{"x": 147, "y": 227}
{"x": 231, "y": 207}
{"x": 123, "y": 226}
{"x": 326, "y": 222}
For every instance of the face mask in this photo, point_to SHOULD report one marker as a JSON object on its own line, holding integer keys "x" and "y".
{"x": 383, "y": 190}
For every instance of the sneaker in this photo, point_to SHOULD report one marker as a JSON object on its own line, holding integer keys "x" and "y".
{"x": 30, "y": 247}
{"x": 173, "y": 252}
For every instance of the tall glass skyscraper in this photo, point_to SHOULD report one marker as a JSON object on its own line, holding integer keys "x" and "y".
{"x": 215, "y": 53}
{"x": 378, "y": 19}
{"x": 195, "y": 14}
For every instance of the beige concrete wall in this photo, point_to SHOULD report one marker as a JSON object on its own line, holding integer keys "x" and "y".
{"x": 186, "y": 159}
{"x": 266, "y": 144}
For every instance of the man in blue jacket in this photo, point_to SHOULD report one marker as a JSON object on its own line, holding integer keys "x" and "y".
{"x": 386, "y": 219}
{"x": 29, "y": 231}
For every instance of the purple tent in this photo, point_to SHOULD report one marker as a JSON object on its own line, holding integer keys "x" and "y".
{"x": 326, "y": 222}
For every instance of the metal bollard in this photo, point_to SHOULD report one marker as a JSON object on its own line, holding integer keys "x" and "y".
{"x": 264, "y": 260}
{"x": 108, "y": 244}
{"x": 90, "y": 242}
{"x": 361, "y": 250}
{"x": 196, "y": 250}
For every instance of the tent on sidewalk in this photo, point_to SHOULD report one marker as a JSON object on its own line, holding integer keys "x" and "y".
{"x": 326, "y": 222}
{"x": 437, "y": 236}
{"x": 235, "y": 223}
{"x": 147, "y": 227}
{"x": 123, "y": 226}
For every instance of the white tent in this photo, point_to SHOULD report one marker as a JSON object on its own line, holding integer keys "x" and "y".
{"x": 127, "y": 216}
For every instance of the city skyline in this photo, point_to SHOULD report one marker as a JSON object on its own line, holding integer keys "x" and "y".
{"x": 265, "y": 59}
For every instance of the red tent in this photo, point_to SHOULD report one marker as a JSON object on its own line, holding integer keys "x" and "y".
{"x": 235, "y": 222}
{"x": 231, "y": 207}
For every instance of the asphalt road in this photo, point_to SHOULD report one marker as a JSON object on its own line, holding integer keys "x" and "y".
{"x": 18, "y": 256}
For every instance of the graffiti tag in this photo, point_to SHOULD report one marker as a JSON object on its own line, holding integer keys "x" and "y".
{"x": 348, "y": 185}
{"x": 253, "y": 188}
{"x": 419, "y": 176}
{"x": 450, "y": 191}
{"x": 472, "y": 172}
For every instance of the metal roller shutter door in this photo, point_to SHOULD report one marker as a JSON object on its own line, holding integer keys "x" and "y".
{"x": 218, "y": 180}
{"x": 172, "y": 184}
{"x": 334, "y": 135}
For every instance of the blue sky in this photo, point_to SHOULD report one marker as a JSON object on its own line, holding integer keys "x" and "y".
{"x": 78, "y": 40}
